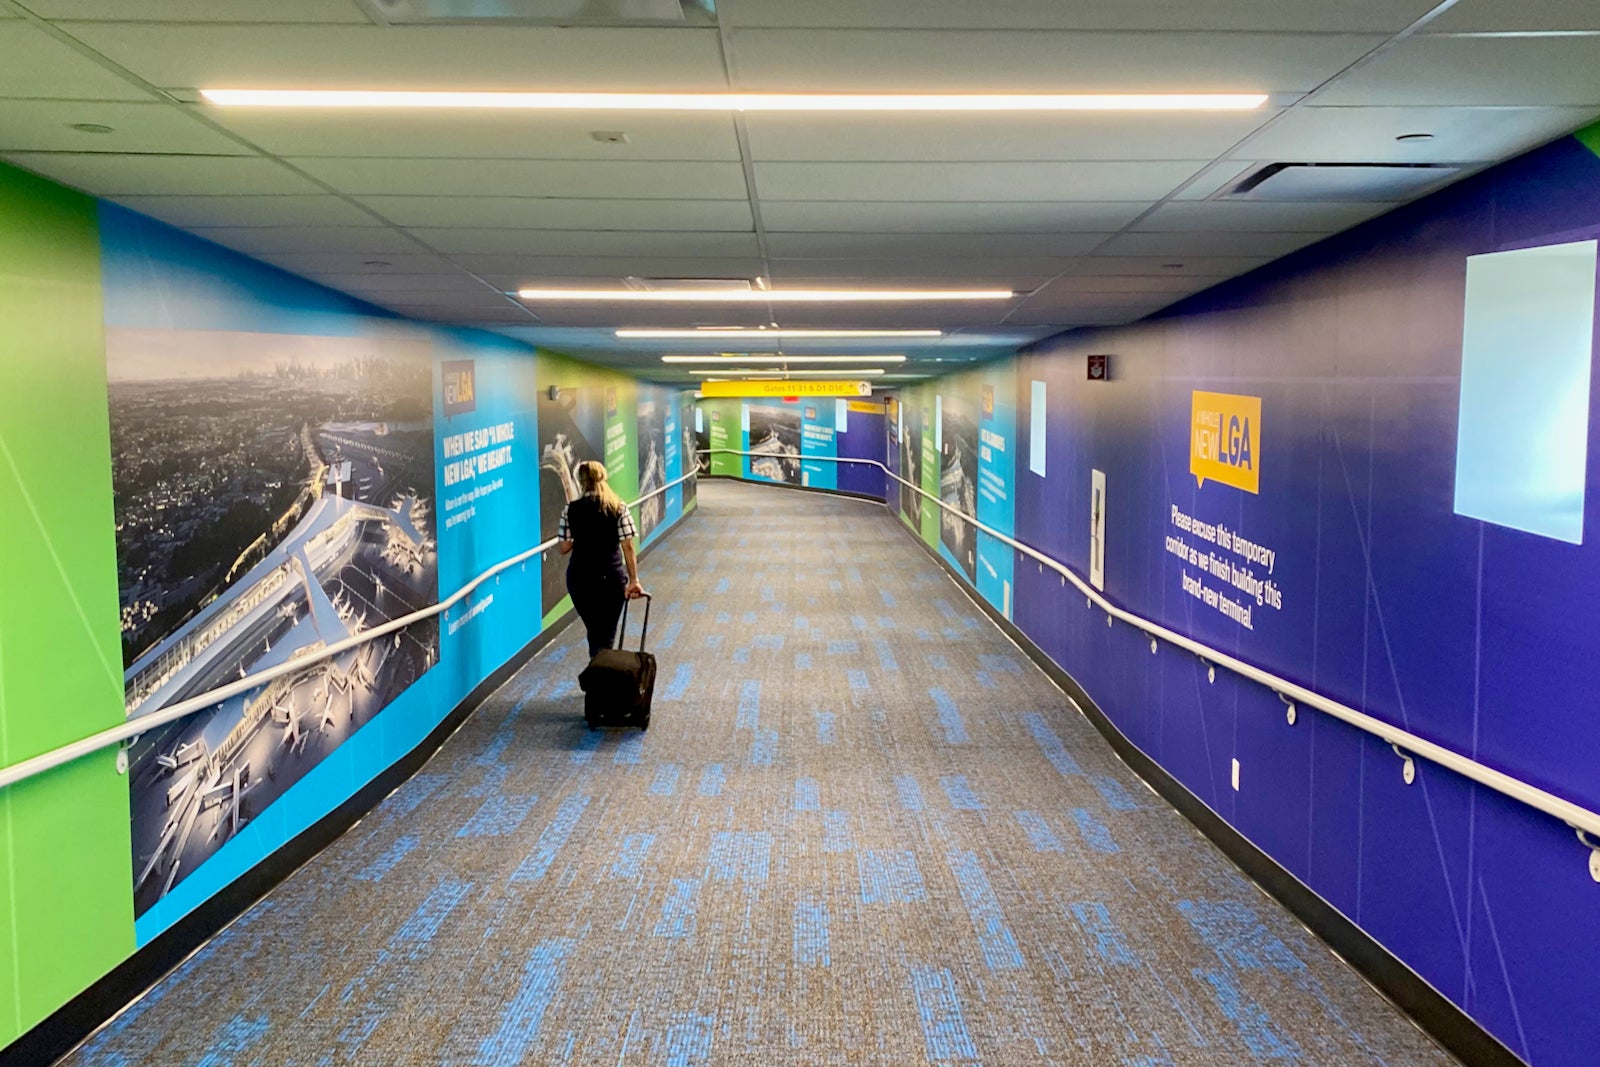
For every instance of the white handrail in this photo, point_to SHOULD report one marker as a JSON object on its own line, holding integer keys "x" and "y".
{"x": 144, "y": 723}
{"x": 1575, "y": 816}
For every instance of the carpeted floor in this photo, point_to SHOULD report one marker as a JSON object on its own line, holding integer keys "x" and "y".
{"x": 862, "y": 829}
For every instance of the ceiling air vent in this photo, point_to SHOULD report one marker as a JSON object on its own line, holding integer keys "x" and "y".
{"x": 1323, "y": 182}
{"x": 545, "y": 12}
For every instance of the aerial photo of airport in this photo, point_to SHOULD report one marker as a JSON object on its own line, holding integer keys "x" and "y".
{"x": 308, "y": 462}
{"x": 652, "y": 463}
{"x": 958, "y": 480}
{"x": 911, "y": 462}
{"x": 775, "y": 438}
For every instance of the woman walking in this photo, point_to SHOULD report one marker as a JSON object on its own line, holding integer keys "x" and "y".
{"x": 597, "y": 532}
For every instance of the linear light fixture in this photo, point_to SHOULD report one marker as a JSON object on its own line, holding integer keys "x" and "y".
{"x": 762, "y": 296}
{"x": 777, "y": 357}
{"x": 851, "y": 372}
{"x": 718, "y": 334}
{"x": 557, "y": 101}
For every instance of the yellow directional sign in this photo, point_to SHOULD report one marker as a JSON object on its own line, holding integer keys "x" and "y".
{"x": 786, "y": 387}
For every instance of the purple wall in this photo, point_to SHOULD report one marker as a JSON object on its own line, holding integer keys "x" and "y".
{"x": 863, "y": 440}
{"x": 1477, "y": 636}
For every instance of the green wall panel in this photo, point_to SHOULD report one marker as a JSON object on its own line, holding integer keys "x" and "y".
{"x": 1590, "y": 137}
{"x": 66, "y": 913}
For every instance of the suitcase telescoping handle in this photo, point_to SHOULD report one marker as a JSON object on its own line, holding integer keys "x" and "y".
{"x": 622, "y": 627}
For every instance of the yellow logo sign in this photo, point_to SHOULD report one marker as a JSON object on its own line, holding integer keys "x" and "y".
{"x": 785, "y": 388}
{"x": 1225, "y": 440}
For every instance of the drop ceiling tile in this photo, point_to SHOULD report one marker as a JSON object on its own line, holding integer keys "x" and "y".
{"x": 106, "y": 174}
{"x": 1040, "y": 61}
{"x": 1090, "y": 313}
{"x": 1208, "y": 215}
{"x": 999, "y": 137}
{"x": 949, "y": 216}
{"x": 1497, "y": 16}
{"x": 965, "y": 268}
{"x": 987, "y": 182}
{"x": 512, "y": 281}
{"x": 946, "y": 316}
{"x": 786, "y": 245}
{"x": 797, "y": 275}
{"x": 237, "y": 211}
{"x": 1466, "y": 71}
{"x": 1202, "y": 243}
{"x": 37, "y": 65}
{"x": 257, "y": 240}
{"x": 1200, "y": 266}
{"x": 1214, "y": 178}
{"x": 412, "y": 57}
{"x": 612, "y": 317}
{"x": 453, "y": 316}
{"x": 364, "y": 283}
{"x": 520, "y": 270}
{"x": 46, "y": 126}
{"x": 646, "y": 243}
{"x": 557, "y": 214}
{"x": 1361, "y": 16}
{"x": 484, "y": 134}
{"x": 399, "y": 264}
{"x": 529, "y": 178}
{"x": 1367, "y": 134}
{"x": 1063, "y": 294}
{"x": 202, "y": 10}
{"x": 436, "y": 298}
{"x": 1070, "y": 319}
{"x": 1179, "y": 283}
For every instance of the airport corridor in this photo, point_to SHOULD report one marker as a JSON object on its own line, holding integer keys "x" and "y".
{"x": 861, "y": 829}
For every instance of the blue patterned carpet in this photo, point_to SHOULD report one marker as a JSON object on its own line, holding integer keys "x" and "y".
{"x": 862, "y": 829}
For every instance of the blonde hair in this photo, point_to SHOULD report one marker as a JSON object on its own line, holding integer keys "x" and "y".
{"x": 592, "y": 480}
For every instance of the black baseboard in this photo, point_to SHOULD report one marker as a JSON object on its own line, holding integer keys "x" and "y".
{"x": 801, "y": 488}
{"x": 78, "y": 1019}
{"x": 1432, "y": 1011}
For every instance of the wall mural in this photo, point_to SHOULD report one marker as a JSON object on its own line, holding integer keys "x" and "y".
{"x": 279, "y": 458}
{"x": 274, "y": 495}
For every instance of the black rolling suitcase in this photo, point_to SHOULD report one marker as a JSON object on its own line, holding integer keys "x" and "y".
{"x": 617, "y": 684}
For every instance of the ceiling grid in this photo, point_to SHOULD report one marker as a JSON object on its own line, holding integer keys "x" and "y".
{"x": 1093, "y": 219}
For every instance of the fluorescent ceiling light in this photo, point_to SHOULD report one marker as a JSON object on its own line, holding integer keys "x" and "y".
{"x": 777, "y": 357}
{"x": 718, "y": 334}
{"x": 852, "y": 372}
{"x": 384, "y": 98}
{"x": 762, "y": 296}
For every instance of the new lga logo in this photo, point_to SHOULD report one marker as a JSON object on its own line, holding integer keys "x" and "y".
{"x": 1225, "y": 440}
{"x": 460, "y": 387}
